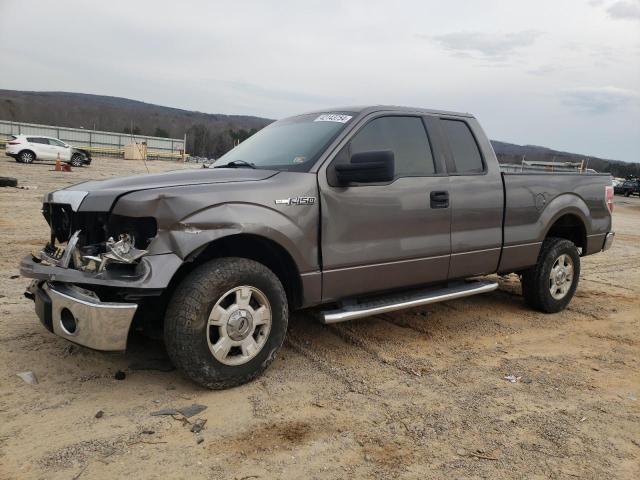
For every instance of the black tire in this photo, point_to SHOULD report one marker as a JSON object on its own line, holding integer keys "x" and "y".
{"x": 8, "y": 182}
{"x": 627, "y": 193}
{"x": 536, "y": 287}
{"x": 27, "y": 156}
{"x": 77, "y": 160}
{"x": 187, "y": 333}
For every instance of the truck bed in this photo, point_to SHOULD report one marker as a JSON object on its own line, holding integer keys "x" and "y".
{"x": 535, "y": 201}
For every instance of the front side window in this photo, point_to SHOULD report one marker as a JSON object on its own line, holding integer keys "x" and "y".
{"x": 56, "y": 143}
{"x": 463, "y": 146}
{"x": 292, "y": 144}
{"x": 406, "y": 137}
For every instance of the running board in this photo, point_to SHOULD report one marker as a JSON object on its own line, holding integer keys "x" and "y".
{"x": 400, "y": 301}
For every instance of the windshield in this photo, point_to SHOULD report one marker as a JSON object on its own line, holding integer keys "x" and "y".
{"x": 291, "y": 144}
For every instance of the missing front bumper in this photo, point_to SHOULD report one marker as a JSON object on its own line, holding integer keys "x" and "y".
{"x": 79, "y": 316}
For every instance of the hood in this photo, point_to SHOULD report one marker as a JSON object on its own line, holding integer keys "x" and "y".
{"x": 100, "y": 194}
{"x": 174, "y": 178}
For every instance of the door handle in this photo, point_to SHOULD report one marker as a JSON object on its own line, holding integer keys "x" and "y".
{"x": 439, "y": 199}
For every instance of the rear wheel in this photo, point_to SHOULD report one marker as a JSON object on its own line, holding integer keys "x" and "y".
{"x": 225, "y": 322}
{"x": 26, "y": 156}
{"x": 550, "y": 285}
{"x": 627, "y": 193}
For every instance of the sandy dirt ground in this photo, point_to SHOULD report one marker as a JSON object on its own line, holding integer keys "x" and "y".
{"x": 415, "y": 394}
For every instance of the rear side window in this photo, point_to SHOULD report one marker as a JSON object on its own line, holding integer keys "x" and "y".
{"x": 37, "y": 140}
{"x": 464, "y": 148}
{"x": 405, "y": 137}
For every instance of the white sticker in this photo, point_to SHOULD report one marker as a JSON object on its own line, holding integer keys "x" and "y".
{"x": 333, "y": 117}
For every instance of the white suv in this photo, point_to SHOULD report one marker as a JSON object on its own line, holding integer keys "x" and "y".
{"x": 27, "y": 148}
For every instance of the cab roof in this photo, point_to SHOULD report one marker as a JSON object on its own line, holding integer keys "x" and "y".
{"x": 366, "y": 109}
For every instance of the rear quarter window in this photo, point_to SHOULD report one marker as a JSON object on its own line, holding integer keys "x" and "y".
{"x": 463, "y": 146}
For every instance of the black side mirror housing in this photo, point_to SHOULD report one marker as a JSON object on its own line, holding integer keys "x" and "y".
{"x": 367, "y": 167}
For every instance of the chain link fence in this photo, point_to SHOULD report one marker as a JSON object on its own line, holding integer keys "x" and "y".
{"x": 99, "y": 143}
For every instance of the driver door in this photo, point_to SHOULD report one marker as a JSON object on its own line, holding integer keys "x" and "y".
{"x": 60, "y": 148}
{"x": 379, "y": 237}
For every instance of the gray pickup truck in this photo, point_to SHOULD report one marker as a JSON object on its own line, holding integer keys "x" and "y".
{"x": 356, "y": 211}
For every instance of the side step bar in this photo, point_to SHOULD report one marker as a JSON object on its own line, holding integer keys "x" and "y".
{"x": 399, "y": 301}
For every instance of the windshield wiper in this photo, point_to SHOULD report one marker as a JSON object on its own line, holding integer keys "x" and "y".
{"x": 236, "y": 164}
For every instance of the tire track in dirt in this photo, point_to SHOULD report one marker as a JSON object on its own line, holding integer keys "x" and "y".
{"x": 350, "y": 337}
{"x": 608, "y": 284}
{"x": 334, "y": 354}
{"x": 297, "y": 345}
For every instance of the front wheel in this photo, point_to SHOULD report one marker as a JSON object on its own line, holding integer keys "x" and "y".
{"x": 550, "y": 285}
{"x": 77, "y": 160}
{"x": 225, "y": 322}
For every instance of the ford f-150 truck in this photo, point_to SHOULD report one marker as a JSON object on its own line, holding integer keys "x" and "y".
{"x": 355, "y": 211}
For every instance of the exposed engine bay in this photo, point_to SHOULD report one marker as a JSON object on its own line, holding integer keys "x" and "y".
{"x": 94, "y": 241}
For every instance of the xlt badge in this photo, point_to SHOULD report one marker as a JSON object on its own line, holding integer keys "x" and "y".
{"x": 296, "y": 201}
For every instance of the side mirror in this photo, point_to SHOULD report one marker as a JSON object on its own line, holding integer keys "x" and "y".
{"x": 367, "y": 167}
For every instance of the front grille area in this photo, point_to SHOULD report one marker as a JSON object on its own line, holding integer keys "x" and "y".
{"x": 96, "y": 227}
{"x": 64, "y": 222}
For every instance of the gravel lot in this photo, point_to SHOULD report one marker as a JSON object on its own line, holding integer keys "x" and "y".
{"x": 416, "y": 394}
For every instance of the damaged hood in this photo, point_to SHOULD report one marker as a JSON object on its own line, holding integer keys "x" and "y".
{"x": 99, "y": 195}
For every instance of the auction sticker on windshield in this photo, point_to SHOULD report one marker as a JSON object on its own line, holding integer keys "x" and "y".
{"x": 333, "y": 117}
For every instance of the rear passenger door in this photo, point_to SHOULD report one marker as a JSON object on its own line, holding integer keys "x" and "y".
{"x": 41, "y": 148}
{"x": 382, "y": 236}
{"x": 476, "y": 196}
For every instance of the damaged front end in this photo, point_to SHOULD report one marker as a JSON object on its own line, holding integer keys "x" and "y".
{"x": 86, "y": 241}
{"x": 92, "y": 258}
{"x": 88, "y": 278}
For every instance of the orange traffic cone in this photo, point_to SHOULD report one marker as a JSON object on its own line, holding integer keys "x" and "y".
{"x": 58, "y": 164}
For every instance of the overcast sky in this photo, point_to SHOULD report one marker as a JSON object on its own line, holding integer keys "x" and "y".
{"x": 559, "y": 73}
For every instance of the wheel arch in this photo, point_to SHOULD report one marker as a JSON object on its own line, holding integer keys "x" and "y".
{"x": 570, "y": 226}
{"x": 35, "y": 157}
{"x": 253, "y": 247}
{"x": 567, "y": 216}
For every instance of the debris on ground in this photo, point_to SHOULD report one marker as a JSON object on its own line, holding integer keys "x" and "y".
{"x": 159, "y": 364}
{"x": 192, "y": 410}
{"x": 120, "y": 375}
{"x": 511, "y": 378}
{"x": 8, "y": 182}
{"x": 99, "y": 414}
{"x": 28, "y": 377}
{"x": 198, "y": 425}
{"x": 186, "y": 412}
{"x": 164, "y": 411}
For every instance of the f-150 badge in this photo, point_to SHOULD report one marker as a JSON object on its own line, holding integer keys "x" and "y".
{"x": 296, "y": 201}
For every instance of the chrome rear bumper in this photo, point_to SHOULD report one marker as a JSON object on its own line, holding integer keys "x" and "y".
{"x": 608, "y": 241}
{"x": 79, "y": 316}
